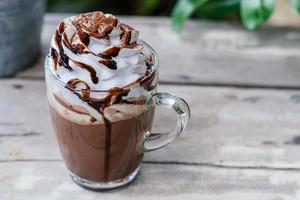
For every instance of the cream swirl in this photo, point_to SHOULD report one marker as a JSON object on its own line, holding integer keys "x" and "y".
{"x": 95, "y": 52}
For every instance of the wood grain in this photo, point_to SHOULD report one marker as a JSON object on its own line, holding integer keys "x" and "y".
{"x": 230, "y": 127}
{"x": 242, "y": 141}
{"x": 210, "y": 53}
{"x": 49, "y": 181}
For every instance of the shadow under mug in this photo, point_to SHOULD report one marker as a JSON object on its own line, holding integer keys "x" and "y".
{"x": 107, "y": 154}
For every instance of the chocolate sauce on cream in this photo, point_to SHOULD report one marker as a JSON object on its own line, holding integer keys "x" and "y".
{"x": 54, "y": 56}
{"x": 84, "y": 37}
{"x": 113, "y": 51}
{"x": 90, "y": 69}
{"x": 63, "y": 59}
{"x": 147, "y": 82}
{"x": 111, "y": 64}
{"x": 104, "y": 56}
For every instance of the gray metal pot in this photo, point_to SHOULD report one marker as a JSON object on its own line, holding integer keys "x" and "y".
{"x": 20, "y": 30}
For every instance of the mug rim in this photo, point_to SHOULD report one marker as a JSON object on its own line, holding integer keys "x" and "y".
{"x": 62, "y": 83}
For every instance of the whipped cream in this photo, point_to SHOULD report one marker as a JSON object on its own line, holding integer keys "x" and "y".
{"x": 96, "y": 52}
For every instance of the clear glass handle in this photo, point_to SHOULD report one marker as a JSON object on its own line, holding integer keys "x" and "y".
{"x": 155, "y": 141}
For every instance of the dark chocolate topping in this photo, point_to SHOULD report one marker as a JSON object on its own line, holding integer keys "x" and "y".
{"x": 96, "y": 24}
{"x": 125, "y": 37}
{"x": 85, "y": 92}
{"x": 104, "y": 56}
{"x": 89, "y": 68}
{"x": 148, "y": 80}
{"x": 84, "y": 37}
{"x": 63, "y": 58}
{"x": 54, "y": 56}
{"x": 113, "y": 52}
{"x": 111, "y": 64}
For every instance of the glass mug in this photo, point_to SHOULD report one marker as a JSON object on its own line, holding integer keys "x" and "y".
{"x": 107, "y": 154}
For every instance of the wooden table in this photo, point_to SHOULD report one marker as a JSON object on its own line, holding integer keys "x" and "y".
{"x": 242, "y": 142}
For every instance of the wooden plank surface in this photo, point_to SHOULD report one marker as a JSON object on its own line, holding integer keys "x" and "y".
{"x": 50, "y": 181}
{"x": 212, "y": 53}
{"x": 229, "y": 127}
{"x": 241, "y": 143}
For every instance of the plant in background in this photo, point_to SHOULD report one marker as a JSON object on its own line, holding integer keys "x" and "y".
{"x": 251, "y": 12}
{"x": 117, "y": 7}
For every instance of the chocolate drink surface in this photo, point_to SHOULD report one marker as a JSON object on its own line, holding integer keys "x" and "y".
{"x": 104, "y": 152}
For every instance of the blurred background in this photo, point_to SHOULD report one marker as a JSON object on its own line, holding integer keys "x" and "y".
{"x": 275, "y": 12}
{"x": 27, "y": 26}
{"x": 118, "y": 7}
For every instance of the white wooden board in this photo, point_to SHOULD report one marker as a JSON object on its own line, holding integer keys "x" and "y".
{"x": 229, "y": 127}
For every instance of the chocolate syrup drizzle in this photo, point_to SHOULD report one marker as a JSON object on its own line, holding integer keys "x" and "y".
{"x": 99, "y": 27}
{"x": 115, "y": 97}
{"x": 111, "y": 64}
{"x": 112, "y": 52}
{"x": 54, "y": 56}
{"x": 90, "y": 69}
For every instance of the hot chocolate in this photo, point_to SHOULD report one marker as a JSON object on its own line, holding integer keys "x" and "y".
{"x": 99, "y": 77}
{"x": 102, "y": 151}
{"x": 102, "y": 90}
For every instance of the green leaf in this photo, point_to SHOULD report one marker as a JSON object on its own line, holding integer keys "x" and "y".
{"x": 216, "y": 9}
{"x": 254, "y": 12}
{"x": 146, "y": 7}
{"x": 182, "y": 10}
{"x": 296, "y": 4}
{"x": 267, "y": 8}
